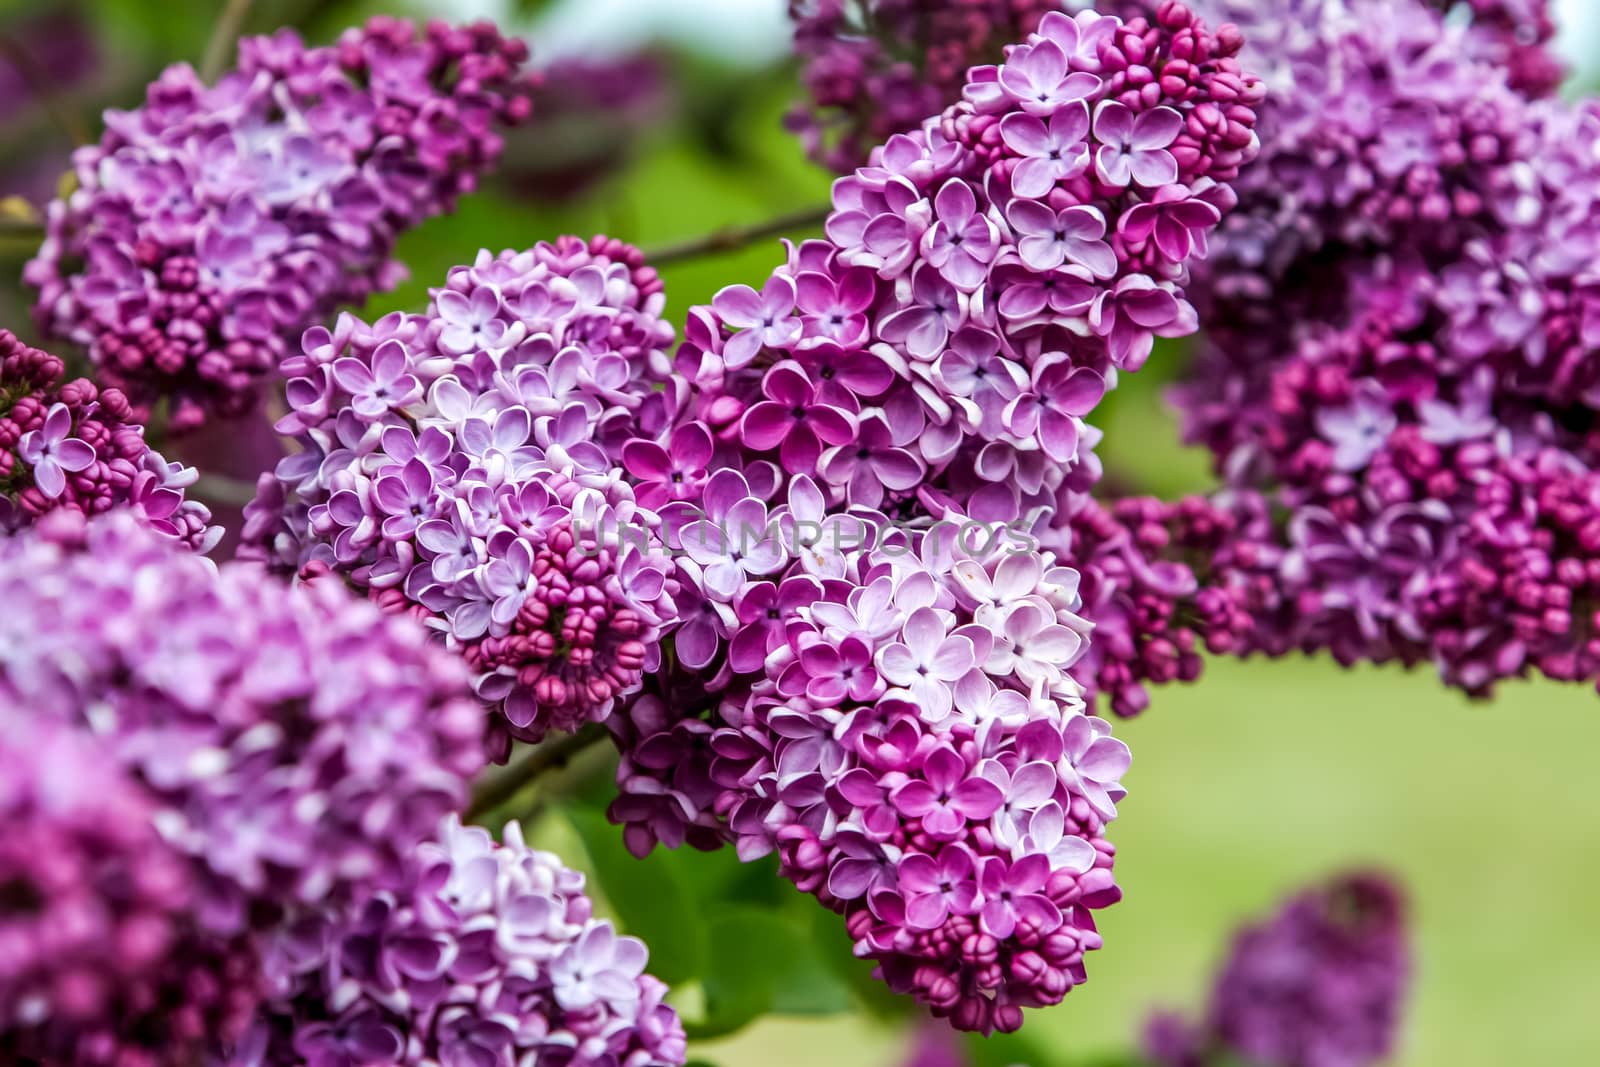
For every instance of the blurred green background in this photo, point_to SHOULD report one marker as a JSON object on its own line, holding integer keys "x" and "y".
{"x": 1259, "y": 779}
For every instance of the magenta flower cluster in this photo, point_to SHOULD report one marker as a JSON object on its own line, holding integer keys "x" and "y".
{"x": 289, "y": 747}
{"x": 96, "y": 919}
{"x": 1401, "y": 358}
{"x": 462, "y": 465}
{"x": 901, "y": 725}
{"x": 1320, "y": 984}
{"x": 875, "y": 68}
{"x": 483, "y": 954}
{"x": 75, "y": 447}
{"x": 214, "y": 223}
{"x": 875, "y": 668}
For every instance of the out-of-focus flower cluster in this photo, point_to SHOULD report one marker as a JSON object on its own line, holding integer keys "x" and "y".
{"x": 96, "y": 915}
{"x": 214, "y": 223}
{"x": 483, "y": 954}
{"x": 75, "y": 447}
{"x": 458, "y": 465}
{"x": 591, "y": 116}
{"x": 876, "y": 669}
{"x": 1321, "y": 984}
{"x": 875, "y": 68}
{"x": 1402, "y": 355}
{"x": 288, "y": 747}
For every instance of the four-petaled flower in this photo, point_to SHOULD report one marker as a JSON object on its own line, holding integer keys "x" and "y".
{"x": 53, "y": 452}
{"x": 1134, "y": 149}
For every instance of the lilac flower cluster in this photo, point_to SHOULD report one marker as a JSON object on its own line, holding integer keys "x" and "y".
{"x": 296, "y": 743}
{"x": 214, "y": 222}
{"x": 1414, "y": 400}
{"x": 101, "y": 960}
{"x": 1320, "y": 984}
{"x": 462, "y": 465}
{"x": 875, "y": 668}
{"x": 190, "y": 756}
{"x": 484, "y": 954}
{"x": 875, "y": 68}
{"x": 900, "y": 724}
{"x": 72, "y": 446}
{"x": 986, "y": 276}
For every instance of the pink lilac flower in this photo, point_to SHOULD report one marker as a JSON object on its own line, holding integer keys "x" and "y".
{"x": 1397, "y": 341}
{"x": 69, "y": 446}
{"x": 103, "y": 961}
{"x": 484, "y": 953}
{"x": 841, "y": 748}
{"x": 213, "y": 225}
{"x": 295, "y": 742}
{"x": 474, "y": 466}
{"x": 1320, "y": 984}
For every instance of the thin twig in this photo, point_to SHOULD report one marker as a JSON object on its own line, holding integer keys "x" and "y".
{"x": 732, "y": 238}
{"x": 230, "y": 23}
{"x": 508, "y": 781}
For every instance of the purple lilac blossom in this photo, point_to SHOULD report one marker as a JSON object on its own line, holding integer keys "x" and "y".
{"x": 1320, "y": 984}
{"x": 878, "y": 670}
{"x": 101, "y": 962}
{"x": 485, "y": 954}
{"x": 1401, "y": 354}
{"x": 295, "y": 742}
{"x": 70, "y": 446}
{"x": 466, "y": 466}
{"x": 211, "y": 226}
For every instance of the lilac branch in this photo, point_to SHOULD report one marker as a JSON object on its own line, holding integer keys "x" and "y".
{"x": 503, "y": 784}
{"x": 733, "y": 238}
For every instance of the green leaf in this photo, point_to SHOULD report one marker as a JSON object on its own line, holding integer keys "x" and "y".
{"x": 834, "y": 947}
{"x": 761, "y": 960}
{"x": 648, "y": 897}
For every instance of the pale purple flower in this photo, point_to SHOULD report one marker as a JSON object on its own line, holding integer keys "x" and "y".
{"x": 946, "y": 797}
{"x": 1134, "y": 149}
{"x": 934, "y": 889}
{"x": 962, "y": 242}
{"x": 471, "y": 323}
{"x": 1037, "y": 77}
{"x": 1033, "y": 646}
{"x": 1074, "y": 235}
{"x": 1013, "y": 893}
{"x": 739, "y": 546}
{"x": 872, "y": 464}
{"x": 1360, "y": 429}
{"x": 1050, "y": 153}
{"x": 833, "y": 307}
{"x": 925, "y": 661}
{"x": 762, "y": 320}
{"x": 932, "y": 310}
{"x": 53, "y": 452}
{"x": 386, "y": 384}
{"x": 1093, "y": 762}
